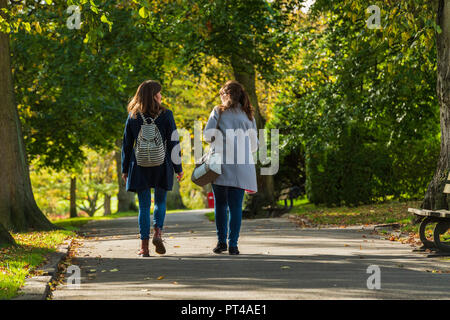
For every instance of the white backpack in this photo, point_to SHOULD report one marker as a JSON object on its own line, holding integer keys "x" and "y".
{"x": 150, "y": 148}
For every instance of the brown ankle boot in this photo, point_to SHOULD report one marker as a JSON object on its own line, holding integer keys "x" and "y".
{"x": 144, "y": 252}
{"x": 158, "y": 242}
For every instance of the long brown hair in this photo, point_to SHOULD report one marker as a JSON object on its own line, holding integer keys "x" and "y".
{"x": 237, "y": 95}
{"x": 144, "y": 100}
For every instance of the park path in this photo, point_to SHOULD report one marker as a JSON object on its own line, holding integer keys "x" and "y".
{"x": 278, "y": 261}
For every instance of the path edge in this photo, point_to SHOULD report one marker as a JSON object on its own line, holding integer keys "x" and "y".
{"x": 38, "y": 287}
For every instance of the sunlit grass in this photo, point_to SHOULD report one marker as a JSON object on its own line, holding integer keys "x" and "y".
{"x": 210, "y": 216}
{"x": 19, "y": 262}
{"x": 74, "y": 224}
{"x": 379, "y": 213}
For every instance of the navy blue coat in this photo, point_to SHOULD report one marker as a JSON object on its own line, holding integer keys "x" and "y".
{"x": 140, "y": 178}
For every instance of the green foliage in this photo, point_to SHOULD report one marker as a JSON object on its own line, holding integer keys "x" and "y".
{"x": 98, "y": 178}
{"x": 73, "y": 93}
{"x": 51, "y": 190}
{"x": 362, "y": 102}
{"x": 250, "y": 31}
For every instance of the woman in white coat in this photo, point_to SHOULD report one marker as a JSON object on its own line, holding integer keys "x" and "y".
{"x": 237, "y": 126}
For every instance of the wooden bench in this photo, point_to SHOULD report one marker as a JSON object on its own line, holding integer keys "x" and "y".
{"x": 442, "y": 220}
{"x": 286, "y": 194}
{"x": 291, "y": 194}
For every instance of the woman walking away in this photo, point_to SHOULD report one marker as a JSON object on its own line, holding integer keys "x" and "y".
{"x": 149, "y": 164}
{"x": 235, "y": 114}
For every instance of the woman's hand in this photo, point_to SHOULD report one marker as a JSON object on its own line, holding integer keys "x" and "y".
{"x": 180, "y": 176}
{"x": 125, "y": 177}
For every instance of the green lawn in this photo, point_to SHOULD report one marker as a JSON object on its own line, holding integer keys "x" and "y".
{"x": 380, "y": 213}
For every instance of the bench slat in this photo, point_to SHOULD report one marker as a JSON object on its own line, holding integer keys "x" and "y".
{"x": 430, "y": 213}
{"x": 447, "y": 188}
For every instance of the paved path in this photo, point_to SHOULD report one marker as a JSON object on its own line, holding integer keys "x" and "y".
{"x": 278, "y": 261}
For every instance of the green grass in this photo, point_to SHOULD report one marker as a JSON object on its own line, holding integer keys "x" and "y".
{"x": 210, "y": 216}
{"x": 380, "y": 213}
{"x": 74, "y": 224}
{"x": 21, "y": 261}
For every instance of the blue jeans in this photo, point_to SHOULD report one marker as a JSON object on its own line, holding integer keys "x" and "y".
{"x": 159, "y": 212}
{"x": 228, "y": 198}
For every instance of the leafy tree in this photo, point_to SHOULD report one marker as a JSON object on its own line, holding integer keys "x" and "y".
{"x": 20, "y": 212}
{"x": 248, "y": 36}
{"x": 376, "y": 86}
{"x": 96, "y": 181}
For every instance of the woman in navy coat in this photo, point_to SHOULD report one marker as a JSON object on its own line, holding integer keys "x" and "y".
{"x": 147, "y": 101}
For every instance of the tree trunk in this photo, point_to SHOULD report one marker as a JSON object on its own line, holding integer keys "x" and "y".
{"x": 435, "y": 198}
{"x": 5, "y": 237}
{"x": 73, "y": 197}
{"x": 245, "y": 74}
{"x": 18, "y": 209}
{"x": 174, "y": 200}
{"x": 107, "y": 205}
{"x": 127, "y": 200}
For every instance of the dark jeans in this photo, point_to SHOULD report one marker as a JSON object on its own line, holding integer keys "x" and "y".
{"x": 228, "y": 198}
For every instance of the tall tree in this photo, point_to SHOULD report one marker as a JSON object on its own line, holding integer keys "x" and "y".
{"x": 249, "y": 36}
{"x": 18, "y": 209}
{"x": 435, "y": 198}
{"x": 73, "y": 196}
{"x": 353, "y": 101}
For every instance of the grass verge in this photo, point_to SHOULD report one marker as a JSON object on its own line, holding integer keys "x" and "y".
{"x": 74, "y": 224}
{"x": 21, "y": 261}
{"x": 380, "y": 213}
{"x": 210, "y": 216}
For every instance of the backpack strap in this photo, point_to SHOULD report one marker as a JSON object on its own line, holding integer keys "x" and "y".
{"x": 143, "y": 118}
{"x": 152, "y": 120}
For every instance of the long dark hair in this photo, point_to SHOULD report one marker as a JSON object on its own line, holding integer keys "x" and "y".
{"x": 237, "y": 95}
{"x": 144, "y": 100}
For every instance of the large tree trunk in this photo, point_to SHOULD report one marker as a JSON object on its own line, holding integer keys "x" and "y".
{"x": 435, "y": 198}
{"x": 73, "y": 197}
{"x": 245, "y": 74}
{"x": 127, "y": 200}
{"x": 5, "y": 237}
{"x": 18, "y": 209}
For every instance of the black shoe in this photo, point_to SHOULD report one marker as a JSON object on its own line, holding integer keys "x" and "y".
{"x": 221, "y": 247}
{"x": 233, "y": 250}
